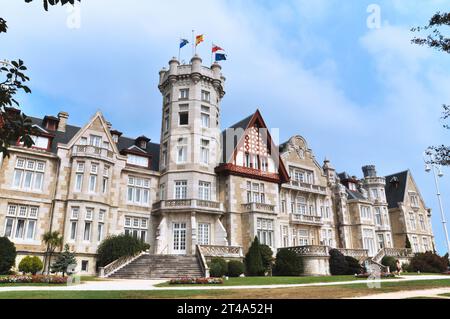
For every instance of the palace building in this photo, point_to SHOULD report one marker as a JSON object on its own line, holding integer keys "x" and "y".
{"x": 201, "y": 191}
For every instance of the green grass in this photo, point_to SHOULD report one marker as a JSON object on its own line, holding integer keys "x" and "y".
{"x": 258, "y": 281}
{"x": 445, "y": 295}
{"x": 416, "y": 274}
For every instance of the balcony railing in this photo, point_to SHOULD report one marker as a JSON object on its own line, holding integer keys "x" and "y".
{"x": 306, "y": 219}
{"x": 190, "y": 204}
{"x": 92, "y": 150}
{"x": 355, "y": 253}
{"x": 399, "y": 252}
{"x": 306, "y": 187}
{"x": 258, "y": 208}
{"x": 221, "y": 251}
{"x": 310, "y": 250}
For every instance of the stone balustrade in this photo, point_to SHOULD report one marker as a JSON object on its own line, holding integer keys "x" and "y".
{"x": 310, "y": 250}
{"x": 306, "y": 187}
{"x": 189, "y": 204}
{"x": 258, "y": 207}
{"x": 306, "y": 219}
{"x": 355, "y": 253}
{"x": 117, "y": 264}
{"x": 221, "y": 251}
{"x": 86, "y": 150}
{"x": 399, "y": 252}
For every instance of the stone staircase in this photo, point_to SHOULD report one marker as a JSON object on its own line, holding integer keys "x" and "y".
{"x": 160, "y": 267}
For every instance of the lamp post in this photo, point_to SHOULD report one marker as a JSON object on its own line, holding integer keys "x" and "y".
{"x": 440, "y": 174}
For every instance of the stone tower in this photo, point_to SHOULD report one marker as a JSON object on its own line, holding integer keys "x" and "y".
{"x": 190, "y": 148}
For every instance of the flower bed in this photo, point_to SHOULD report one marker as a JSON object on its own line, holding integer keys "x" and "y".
{"x": 196, "y": 281}
{"x": 382, "y": 275}
{"x": 37, "y": 279}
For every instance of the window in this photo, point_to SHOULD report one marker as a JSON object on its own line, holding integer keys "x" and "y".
{"x": 327, "y": 237}
{"x": 137, "y": 160}
{"x": 378, "y": 219}
{"x": 422, "y": 222}
{"x": 285, "y": 236}
{"x": 380, "y": 241}
{"x": 369, "y": 241}
{"x": 28, "y": 174}
{"x": 89, "y": 214}
{"x": 92, "y": 183}
{"x": 412, "y": 221}
{"x": 167, "y": 99}
{"x": 78, "y": 182}
{"x": 301, "y": 207}
{"x": 265, "y": 233}
{"x": 183, "y": 117}
{"x": 204, "y": 152}
{"x": 365, "y": 212}
{"x": 95, "y": 140}
{"x": 75, "y": 213}
{"x": 73, "y": 230}
{"x": 205, "y": 117}
{"x": 203, "y": 234}
{"x": 105, "y": 185}
{"x": 21, "y": 222}
{"x": 206, "y": 96}
{"x": 166, "y": 121}
{"x": 303, "y": 237}
{"x": 184, "y": 94}
{"x": 162, "y": 192}
{"x": 138, "y": 191}
{"x": 204, "y": 190}
{"x": 182, "y": 150}
{"x": 264, "y": 164}
{"x": 414, "y": 200}
{"x": 180, "y": 189}
{"x": 136, "y": 227}
{"x": 255, "y": 193}
{"x": 100, "y": 232}
{"x": 164, "y": 155}
{"x": 283, "y": 202}
{"x": 84, "y": 265}
{"x": 87, "y": 231}
{"x": 426, "y": 247}
{"x": 40, "y": 142}
{"x": 415, "y": 244}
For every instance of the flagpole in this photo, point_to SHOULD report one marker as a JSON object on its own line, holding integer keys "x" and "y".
{"x": 193, "y": 43}
{"x": 179, "y": 50}
{"x": 212, "y": 46}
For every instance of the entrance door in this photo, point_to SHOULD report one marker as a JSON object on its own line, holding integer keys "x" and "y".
{"x": 380, "y": 241}
{"x": 179, "y": 238}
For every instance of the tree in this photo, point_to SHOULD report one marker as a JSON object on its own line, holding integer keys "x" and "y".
{"x": 338, "y": 264}
{"x": 429, "y": 262}
{"x": 407, "y": 243}
{"x": 288, "y": 263}
{"x": 253, "y": 260}
{"x": 53, "y": 240}
{"x": 7, "y": 255}
{"x": 436, "y": 40}
{"x": 115, "y": 247}
{"x": 15, "y": 125}
{"x": 218, "y": 267}
{"x": 64, "y": 260}
{"x": 30, "y": 265}
{"x": 235, "y": 268}
{"x": 267, "y": 257}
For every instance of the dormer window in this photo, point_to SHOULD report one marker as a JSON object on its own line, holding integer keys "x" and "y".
{"x": 50, "y": 123}
{"x": 115, "y": 136}
{"x": 137, "y": 160}
{"x": 141, "y": 142}
{"x": 40, "y": 142}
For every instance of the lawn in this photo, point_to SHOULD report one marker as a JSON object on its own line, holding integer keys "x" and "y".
{"x": 328, "y": 292}
{"x": 259, "y": 281}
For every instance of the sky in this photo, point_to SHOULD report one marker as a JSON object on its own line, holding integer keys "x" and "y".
{"x": 354, "y": 87}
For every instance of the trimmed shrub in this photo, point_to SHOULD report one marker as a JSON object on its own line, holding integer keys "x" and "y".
{"x": 338, "y": 264}
{"x": 7, "y": 255}
{"x": 391, "y": 262}
{"x": 235, "y": 268}
{"x": 115, "y": 247}
{"x": 428, "y": 262}
{"x": 218, "y": 267}
{"x": 30, "y": 265}
{"x": 267, "y": 257}
{"x": 288, "y": 263}
{"x": 253, "y": 260}
{"x": 353, "y": 266}
{"x": 25, "y": 265}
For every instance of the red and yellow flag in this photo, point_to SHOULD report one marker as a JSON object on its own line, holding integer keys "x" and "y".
{"x": 199, "y": 39}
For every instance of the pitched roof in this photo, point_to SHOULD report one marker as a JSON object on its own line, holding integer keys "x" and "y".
{"x": 395, "y": 188}
{"x": 355, "y": 195}
{"x": 242, "y": 124}
{"x": 123, "y": 143}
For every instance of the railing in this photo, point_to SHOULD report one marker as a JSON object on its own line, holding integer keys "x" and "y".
{"x": 118, "y": 264}
{"x": 379, "y": 256}
{"x": 202, "y": 261}
{"x": 189, "y": 203}
{"x": 310, "y": 250}
{"x": 221, "y": 251}
{"x": 258, "y": 207}
{"x": 92, "y": 150}
{"x": 399, "y": 252}
{"x": 355, "y": 253}
{"x": 309, "y": 187}
{"x": 308, "y": 219}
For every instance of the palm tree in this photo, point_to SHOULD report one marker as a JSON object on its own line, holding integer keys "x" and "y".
{"x": 53, "y": 240}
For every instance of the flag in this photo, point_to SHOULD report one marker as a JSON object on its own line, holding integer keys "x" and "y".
{"x": 183, "y": 42}
{"x": 216, "y": 48}
{"x": 199, "y": 39}
{"x": 221, "y": 57}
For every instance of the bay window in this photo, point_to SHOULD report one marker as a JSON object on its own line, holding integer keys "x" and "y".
{"x": 20, "y": 222}
{"x": 265, "y": 233}
{"x": 138, "y": 191}
{"x": 28, "y": 174}
{"x": 180, "y": 189}
{"x": 204, "y": 190}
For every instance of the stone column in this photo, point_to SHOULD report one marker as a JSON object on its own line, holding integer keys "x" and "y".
{"x": 193, "y": 232}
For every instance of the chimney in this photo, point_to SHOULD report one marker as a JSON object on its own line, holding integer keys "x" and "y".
{"x": 62, "y": 116}
{"x": 369, "y": 171}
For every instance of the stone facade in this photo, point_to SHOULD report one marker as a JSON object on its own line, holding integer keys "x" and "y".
{"x": 198, "y": 186}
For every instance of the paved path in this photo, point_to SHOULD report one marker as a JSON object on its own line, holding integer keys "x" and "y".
{"x": 410, "y": 294}
{"x": 111, "y": 285}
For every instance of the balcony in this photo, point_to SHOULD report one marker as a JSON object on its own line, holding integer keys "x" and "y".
{"x": 189, "y": 205}
{"x": 305, "y": 187}
{"x": 306, "y": 219}
{"x": 258, "y": 208}
{"x": 310, "y": 250}
{"x": 89, "y": 150}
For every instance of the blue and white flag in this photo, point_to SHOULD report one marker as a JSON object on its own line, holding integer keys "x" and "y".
{"x": 183, "y": 42}
{"x": 221, "y": 57}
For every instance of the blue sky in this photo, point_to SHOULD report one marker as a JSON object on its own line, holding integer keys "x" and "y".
{"x": 314, "y": 68}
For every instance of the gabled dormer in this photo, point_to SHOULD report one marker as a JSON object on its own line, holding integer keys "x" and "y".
{"x": 248, "y": 150}
{"x": 142, "y": 141}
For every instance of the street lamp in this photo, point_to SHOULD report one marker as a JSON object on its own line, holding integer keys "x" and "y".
{"x": 432, "y": 167}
